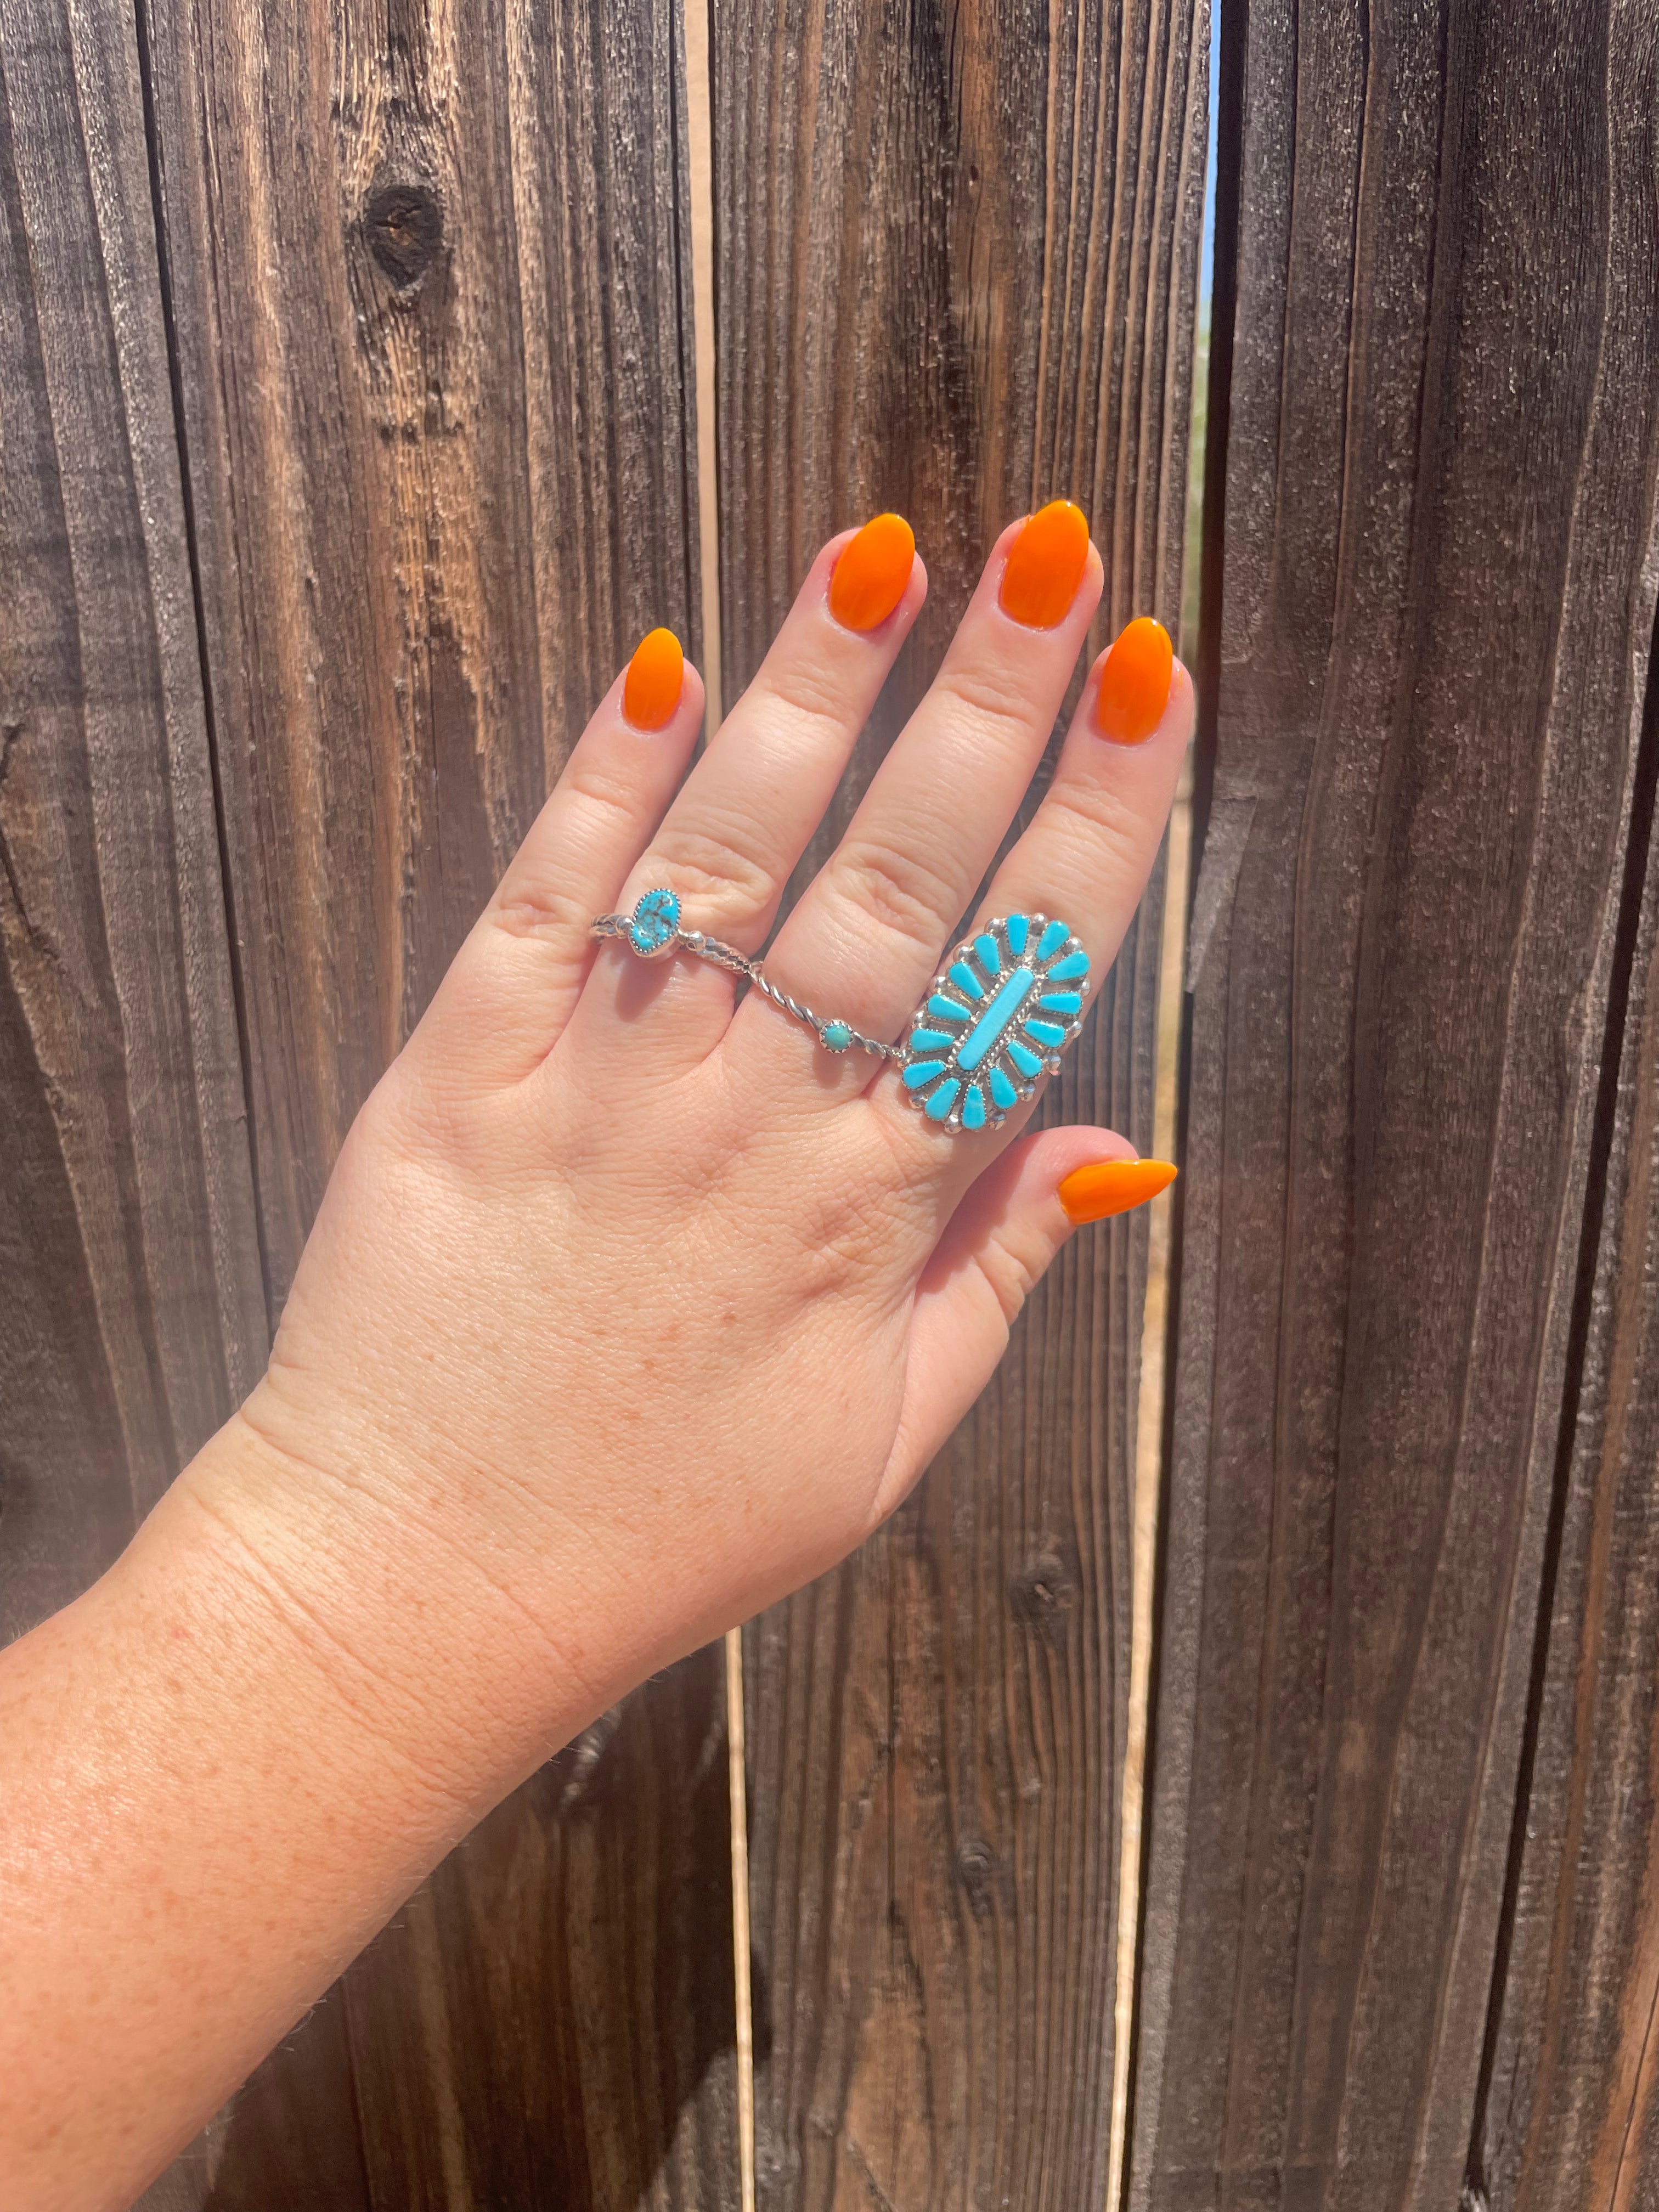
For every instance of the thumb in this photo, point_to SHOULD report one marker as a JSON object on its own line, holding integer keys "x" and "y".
{"x": 996, "y": 1247}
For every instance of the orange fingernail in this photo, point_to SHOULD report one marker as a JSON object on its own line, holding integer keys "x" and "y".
{"x": 1045, "y": 565}
{"x": 1134, "y": 683}
{"x": 1109, "y": 1187}
{"x": 655, "y": 679}
{"x": 870, "y": 575}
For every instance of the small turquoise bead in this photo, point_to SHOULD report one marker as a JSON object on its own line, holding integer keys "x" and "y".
{"x": 1026, "y": 1061}
{"x": 1016, "y": 929}
{"x": 1075, "y": 963}
{"x": 836, "y": 1036}
{"x": 989, "y": 955}
{"x": 940, "y": 1105}
{"x": 1002, "y": 1091}
{"x": 921, "y": 1074}
{"x": 965, "y": 980}
{"x": 1047, "y": 1033}
{"x": 1051, "y": 940}
{"x": 1062, "y": 1002}
{"x": 930, "y": 1040}
{"x": 947, "y": 1010}
{"x": 973, "y": 1107}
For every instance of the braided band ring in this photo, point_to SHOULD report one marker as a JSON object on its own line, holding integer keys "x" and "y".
{"x": 995, "y": 1021}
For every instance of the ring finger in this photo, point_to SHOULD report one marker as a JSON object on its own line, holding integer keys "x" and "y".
{"x": 1084, "y": 863}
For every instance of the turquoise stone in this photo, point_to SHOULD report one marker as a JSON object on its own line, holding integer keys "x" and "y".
{"x": 837, "y": 1036}
{"x": 1004, "y": 1010}
{"x": 655, "y": 920}
{"x": 987, "y": 1031}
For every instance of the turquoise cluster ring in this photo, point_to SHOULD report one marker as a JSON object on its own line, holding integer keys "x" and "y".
{"x": 994, "y": 1023}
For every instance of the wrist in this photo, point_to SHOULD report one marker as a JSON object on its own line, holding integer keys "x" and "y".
{"x": 415, "y": 1655}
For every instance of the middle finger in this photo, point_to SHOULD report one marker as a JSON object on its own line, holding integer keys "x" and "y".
{"x": 865, "y": 936}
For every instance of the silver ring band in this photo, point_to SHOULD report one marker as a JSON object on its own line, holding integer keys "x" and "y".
{"x": 992, "y": 1023}
{"x": 654, "y": 929}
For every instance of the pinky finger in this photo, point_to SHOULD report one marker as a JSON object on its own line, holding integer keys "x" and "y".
{"x": 997, "y": 1247}
{"x": 511, "y": 988}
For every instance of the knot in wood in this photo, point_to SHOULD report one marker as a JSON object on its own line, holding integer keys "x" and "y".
{"x": 1043, "y": 1592}
{"x": 404, "y": 227}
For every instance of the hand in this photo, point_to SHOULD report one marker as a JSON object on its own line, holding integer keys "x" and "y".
{"x": 628, "y": 1308}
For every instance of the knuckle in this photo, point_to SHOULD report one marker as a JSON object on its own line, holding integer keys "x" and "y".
{"x": 1011, "y": 1274}
{"x": 716, "y": 864}
{"x": 809, "y": 693}
{"x": 528, "y": 906}
{"x": 1105, "y": 820}
{"x": 996, "y": 696}
{"x": 898, "y": 891}
{"x": 601, "y": 788}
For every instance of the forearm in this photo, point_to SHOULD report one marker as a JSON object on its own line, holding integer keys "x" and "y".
{"x": 219, "y": 1780}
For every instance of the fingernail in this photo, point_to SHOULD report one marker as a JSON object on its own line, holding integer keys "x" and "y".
{"x": 1134, "y": 683}
{"x": 869, "y": 577}
{"x": 1109, "y": 1187}
{"x": 655, "y": 679}
{"x": 1045, "y": 565}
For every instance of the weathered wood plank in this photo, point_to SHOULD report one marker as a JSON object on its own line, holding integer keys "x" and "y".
{"x": 132, "y": 1313}
{"x": 1419, "y": 744}
{"x": 957, "y": 268}
{"x": 1568, "y": 2117}
{"x": 427, "y": 268}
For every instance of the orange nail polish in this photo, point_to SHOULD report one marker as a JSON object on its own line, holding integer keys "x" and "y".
{"x": 1045, "y": 565}
{"x": 1109, "y": 1187}
{"x": 1134, "y": 683}
{"x": 872, "y": 571}
{"x": 655, "y": 679}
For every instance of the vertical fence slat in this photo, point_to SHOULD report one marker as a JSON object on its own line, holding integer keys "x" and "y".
{"x": 1569, "y": 2117}
{"x": 1439, "y": 497}
{"x": 131, "y": 1310}
{"x": 957, "y": 262}
{"x": 429, "y": 281}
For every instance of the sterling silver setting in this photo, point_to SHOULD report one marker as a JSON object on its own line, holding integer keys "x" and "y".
{"x": 654, "y": 930}
{"x": 990, "y": 1025}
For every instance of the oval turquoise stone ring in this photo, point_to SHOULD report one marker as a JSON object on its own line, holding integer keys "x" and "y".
{"x": 995, "y": 1020}
{"x": 655, "y": 924}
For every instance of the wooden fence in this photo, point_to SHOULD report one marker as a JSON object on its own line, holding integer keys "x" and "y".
{"x": 370, "y": 378}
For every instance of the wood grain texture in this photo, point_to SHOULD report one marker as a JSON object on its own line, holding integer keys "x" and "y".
{"x": 1419, "y": 748}
{"x": 1568, "y": 2118}
{"x": 958, "y": 267}
{"x": 428, "y": 273}
{"x": 131, "y": 1310}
